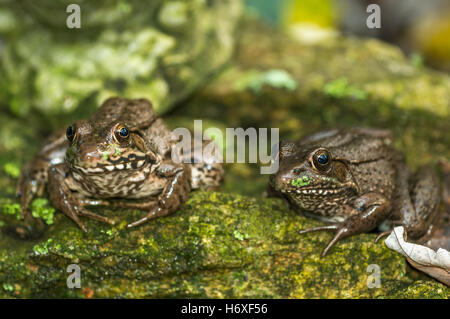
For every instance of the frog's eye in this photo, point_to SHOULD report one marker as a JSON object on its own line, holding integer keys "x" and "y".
{"x": 322, "y": 159}
{"x": 70, "y": 133}
{"x": 121, "y": 132}
{"x": 124, "y": 132}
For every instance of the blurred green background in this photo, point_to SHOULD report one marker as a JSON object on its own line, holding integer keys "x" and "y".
{"x": 419, "y": 28}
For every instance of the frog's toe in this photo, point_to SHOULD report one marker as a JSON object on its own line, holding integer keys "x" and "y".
{"x": 381, "y": 235}
{"x": 154, "y": 213}
{"x": 341, "y": 233}
{"x": 320, "y": 228}
{"x": 80, "y": 224}
{"x": 100, "y": 218}
{"x": 25, "y": 196}
{"x": 138, "y": 222}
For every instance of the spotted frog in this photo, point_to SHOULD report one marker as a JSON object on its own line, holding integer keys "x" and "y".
{"x": 120, "y": 157}
{"x": 354, "y": 180}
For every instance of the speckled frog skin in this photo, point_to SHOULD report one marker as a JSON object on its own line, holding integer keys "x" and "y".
{"x": 121, "y": 157}
{"x": 355, "y": 180}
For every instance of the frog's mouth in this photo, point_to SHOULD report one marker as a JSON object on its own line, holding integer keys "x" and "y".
{"x": 120, "y": 165}
{"x": 314, "y": 191}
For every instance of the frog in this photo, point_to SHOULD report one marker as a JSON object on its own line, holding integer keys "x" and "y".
{"x": 356, "y": 181}
{"x": 121, "y": 157}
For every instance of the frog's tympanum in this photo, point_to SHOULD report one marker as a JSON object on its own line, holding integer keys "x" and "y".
{"x": 355, "y": 180}
{"x": 121, "y": 156}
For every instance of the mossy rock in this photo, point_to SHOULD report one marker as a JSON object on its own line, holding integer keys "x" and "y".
{"x": 162, "y": 50}
{"x": 217, "y": 246}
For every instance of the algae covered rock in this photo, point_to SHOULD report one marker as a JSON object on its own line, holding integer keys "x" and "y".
{"x": 218, "y": 245}
{"x": 162, "y": 50}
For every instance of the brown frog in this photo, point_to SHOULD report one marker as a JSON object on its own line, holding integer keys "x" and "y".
{"x": 122, "y": 152}
{"x": 355, "y": 180}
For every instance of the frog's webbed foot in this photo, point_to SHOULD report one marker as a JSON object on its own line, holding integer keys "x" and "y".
{"x": 369, "y": 210}
{"x": 65, "y": 200}
{"x": 173, "y": 195}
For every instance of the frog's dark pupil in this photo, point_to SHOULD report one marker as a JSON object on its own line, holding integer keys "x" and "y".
{"x": 123, "y": 132}
{"x": 69, "y": 132}
{"x": 322, "y": 159}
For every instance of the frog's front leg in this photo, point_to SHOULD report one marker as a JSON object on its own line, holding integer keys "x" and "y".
{"x": 368, "y": 211}
{"x": 32, "y": 182}
{"x": 172, "y": 196}
{"x": 65, "y": 200}
{"x": 34, "y": 175}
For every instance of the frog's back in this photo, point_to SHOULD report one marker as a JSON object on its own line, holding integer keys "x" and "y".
{"x": 353, "y": 144}
{"x": 134, "y": 113}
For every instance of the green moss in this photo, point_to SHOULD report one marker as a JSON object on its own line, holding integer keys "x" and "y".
{"x": 8, "y": 287}
{"x": 341, "y": 88}
{"x": 423, "y": 289}
{"x": 240, "y": 236}
{"x": 42, "y": 249}
{"x": 255, "y": 80}
{"x": 9, "y": 207}
{"x": 40, "y": 209}
{"x": 152, "y": 56}
{"x": 217, "y": 246}
{"x": 12, "y": 169}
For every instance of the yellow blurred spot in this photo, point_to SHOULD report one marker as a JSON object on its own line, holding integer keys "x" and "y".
{"x": 318, "y": 12}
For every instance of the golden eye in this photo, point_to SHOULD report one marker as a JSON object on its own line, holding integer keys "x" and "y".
{"x": 322, "y": 159}
{"x": 121, "y": 132}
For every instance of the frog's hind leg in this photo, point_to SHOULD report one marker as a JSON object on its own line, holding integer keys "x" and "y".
{"x": 207, "y": 171}
{"x": 419, "y": 206}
